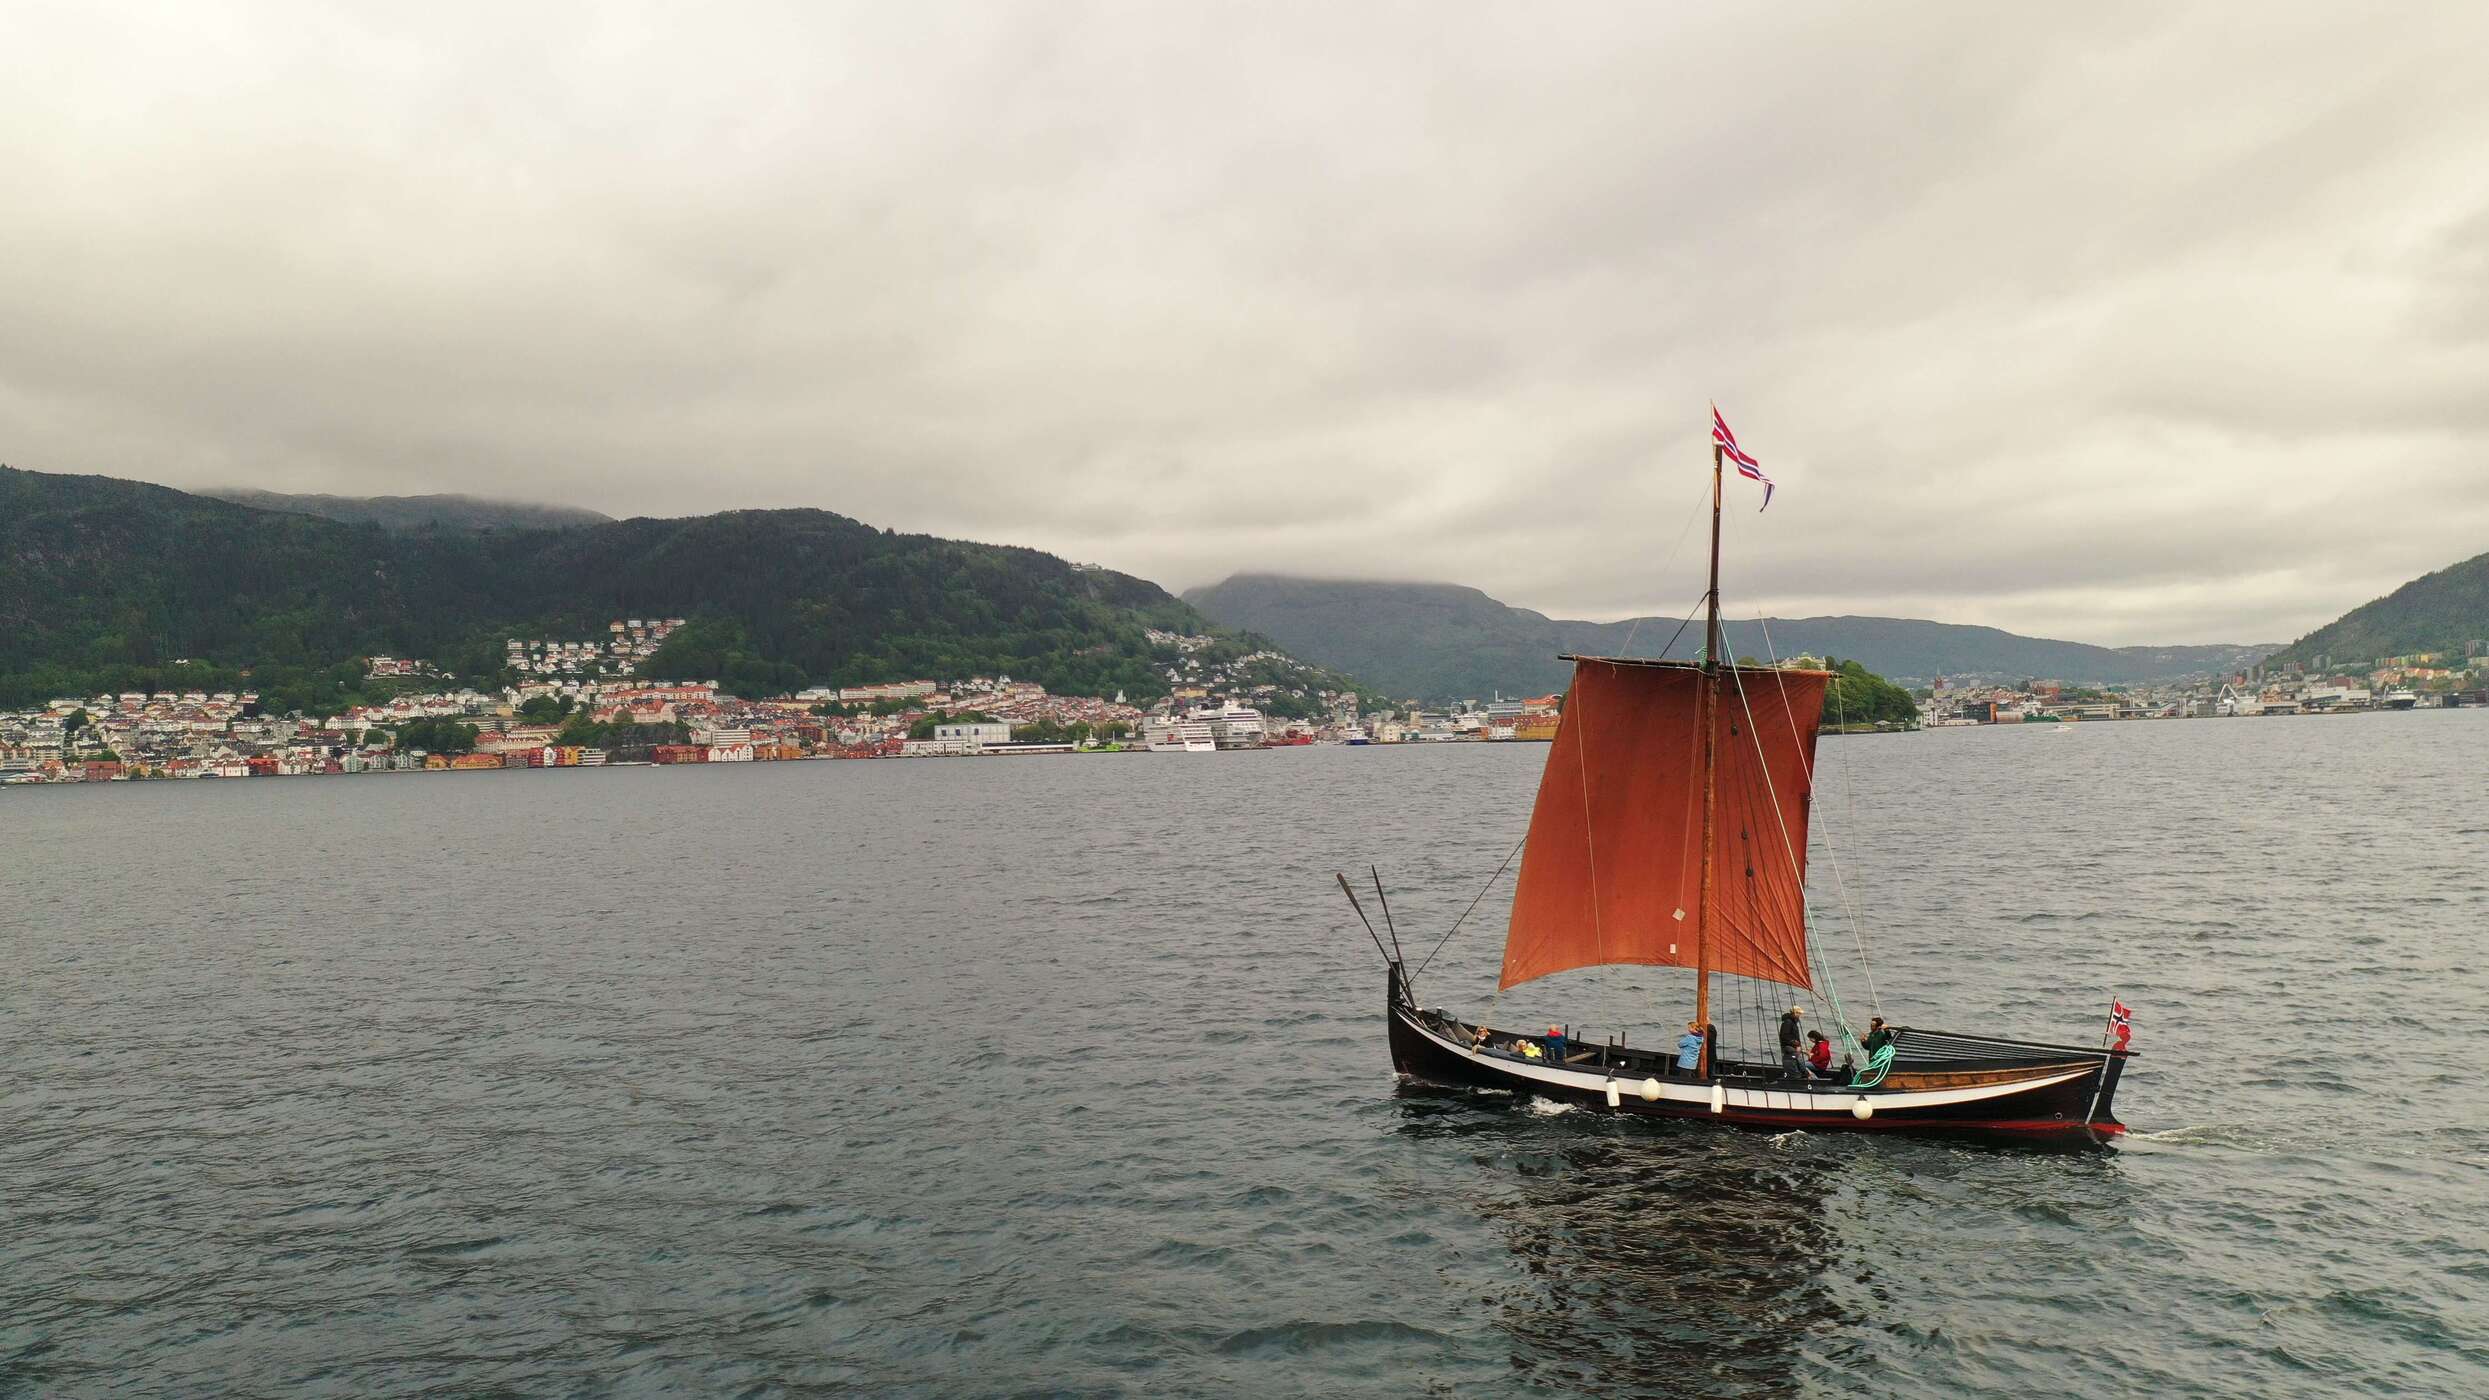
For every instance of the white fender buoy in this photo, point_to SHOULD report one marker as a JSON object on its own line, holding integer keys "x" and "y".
{"x": 1863, "y": 1109}
{"x": 1650, "y": 1091}
{"x": 1719, "y": 1098}
{"x": 1613, "y": 1098}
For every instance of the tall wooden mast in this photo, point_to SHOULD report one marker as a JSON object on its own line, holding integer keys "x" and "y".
{"x": 1708, "y": 707}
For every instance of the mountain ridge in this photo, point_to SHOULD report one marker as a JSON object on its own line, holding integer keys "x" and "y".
{"x": 109, "y": 584}
{"x": 449, "y": 511}
{"x": 1447, "y": 641}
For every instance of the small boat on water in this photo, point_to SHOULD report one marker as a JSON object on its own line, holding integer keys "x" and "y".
{"x": 1671, "y": 830}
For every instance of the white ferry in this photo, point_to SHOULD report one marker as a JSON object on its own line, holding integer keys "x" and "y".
{"x": 1235, "y": 726}
{"x": 1177, "y": 734}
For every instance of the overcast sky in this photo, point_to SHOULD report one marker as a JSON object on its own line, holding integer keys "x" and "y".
{"x": 2150, "y": 324}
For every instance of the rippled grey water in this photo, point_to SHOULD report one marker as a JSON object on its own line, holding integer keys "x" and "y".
{"x": 1068, "y": 1077}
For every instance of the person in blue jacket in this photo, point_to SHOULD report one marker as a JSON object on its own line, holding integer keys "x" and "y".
{"x": 1690, "y": 1049}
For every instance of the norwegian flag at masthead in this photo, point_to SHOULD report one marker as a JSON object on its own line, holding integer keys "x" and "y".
{"x": 1747, "y": 467}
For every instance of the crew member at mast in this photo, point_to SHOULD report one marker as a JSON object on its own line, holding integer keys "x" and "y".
{"x": 1793, "y": 1045}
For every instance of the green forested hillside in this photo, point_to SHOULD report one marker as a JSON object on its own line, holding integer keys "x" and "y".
{"x": 109, "y": 584}
{"x": 1859, "y": 696}
{"x": 1429, "y": 641}
{"x": 2439, "y": 612}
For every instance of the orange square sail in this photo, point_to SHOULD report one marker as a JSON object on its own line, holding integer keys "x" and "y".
{"x": 1612, "y": 872}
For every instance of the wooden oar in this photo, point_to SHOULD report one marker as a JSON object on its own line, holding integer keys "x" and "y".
{"x": 1361, "y": 918}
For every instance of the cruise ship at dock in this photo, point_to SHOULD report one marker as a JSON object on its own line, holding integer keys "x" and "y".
{"x": 1206, "y": 729}
{"x": 1177, "y": 734}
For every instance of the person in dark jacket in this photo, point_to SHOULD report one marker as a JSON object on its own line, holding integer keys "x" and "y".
{"x": 1879, "y": 1035}
{"x": 1792, "y": 1045}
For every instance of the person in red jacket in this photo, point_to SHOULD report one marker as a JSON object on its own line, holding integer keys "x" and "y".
{"x": 1819, "y": 1055}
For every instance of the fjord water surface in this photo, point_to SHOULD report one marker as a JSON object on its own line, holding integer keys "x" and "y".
{"x": 1067, "y": 1076}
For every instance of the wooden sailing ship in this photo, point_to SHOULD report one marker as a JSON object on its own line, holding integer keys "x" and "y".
{"x": 1671, "y": 830}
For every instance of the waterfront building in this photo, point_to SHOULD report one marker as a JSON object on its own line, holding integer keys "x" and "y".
{"x": 970, "y": 737}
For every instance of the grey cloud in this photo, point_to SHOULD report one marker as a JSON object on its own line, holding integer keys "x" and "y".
{"x": 2142, "y": 323}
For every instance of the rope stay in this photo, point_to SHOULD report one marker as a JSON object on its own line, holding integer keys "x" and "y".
{"x": 1473, "y": 905}
{"x": 1590, "y": 830}
{"x": 1788, "y": 847}
{"x": 1674, "y": 550}
{"x": 1832, "y": 847}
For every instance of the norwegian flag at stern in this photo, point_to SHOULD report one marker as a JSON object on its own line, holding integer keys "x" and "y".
{"x": 1747, "y": 467}
{"x": 2121, "y": 1021}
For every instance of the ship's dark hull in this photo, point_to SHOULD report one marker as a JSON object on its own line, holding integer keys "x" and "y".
{"x": 1964, "y": 1086}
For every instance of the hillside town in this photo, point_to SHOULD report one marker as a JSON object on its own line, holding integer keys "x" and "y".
{"x": 2428, "y": 680}
{"x": 582, "y": 703}
{"x": 628, "y": 643}
{"x": 224, "y": 735}
{"x": 540, "y": 724}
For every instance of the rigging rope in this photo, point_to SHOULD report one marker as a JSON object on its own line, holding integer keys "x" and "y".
{"x": 1673, "y": 550}
{"x": 1590, "y": 848}
{"x": 1473, "y": 904}
{"x": 1682, "y": 624}
{"x": 1832, "y": 849}
{"x": 1787, "y": 845}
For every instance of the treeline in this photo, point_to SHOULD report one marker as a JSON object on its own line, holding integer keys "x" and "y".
{"x": 435, "y": 736}
{"x": 1047, "y": 731}
{"x": 621, "y": 739}
{"x": 1857, "y": 695}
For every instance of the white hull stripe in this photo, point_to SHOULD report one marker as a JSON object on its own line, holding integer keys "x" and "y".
{"x": 1768, "y": 1100}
